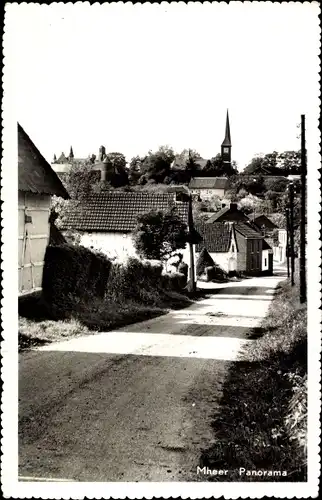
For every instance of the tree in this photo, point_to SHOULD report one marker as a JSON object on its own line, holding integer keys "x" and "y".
{"x": 290, "y": 162}
{"x": 218, "y": 168}
{"x": 80, "y": 179}
{"x": 117, "y": 175}
{"x": 255, "y": 166}
{"x": 157, "y": 165}
{"x": 135, "y": 169}
{"x": 159, "y": 234}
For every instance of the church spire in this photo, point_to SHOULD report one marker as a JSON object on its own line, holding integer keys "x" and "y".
{"x": 227, "y": 140}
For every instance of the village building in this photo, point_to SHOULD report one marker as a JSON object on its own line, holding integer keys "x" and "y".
{"x": 37, "y": 182}
{"x": 235, "y": 247}
{"x": 228, "y": 213}
{"x": 264, "y": 224}
{"x": 204, "y": 188}
{"x": 106, "y": 220}
{"x": 220, "y": 242}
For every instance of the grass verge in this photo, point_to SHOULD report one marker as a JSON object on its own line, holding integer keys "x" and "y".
{"x": 37, "y": 328}
{"x": 261, "y": 424}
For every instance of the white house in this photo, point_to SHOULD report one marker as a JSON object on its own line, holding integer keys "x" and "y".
{"x": 219, "y": 239}
{"x": 106, "y": 220}
{"x": 37, "y": 182}
{"x": 207, "y": 187}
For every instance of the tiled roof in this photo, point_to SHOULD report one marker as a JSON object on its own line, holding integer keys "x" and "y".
{"x": 208, "y": 183}
{"x": 118, "y": 211}
{"x": 215, "y": 237}
{"x": 247, "y": 230}
{"x": 35, "y": 175}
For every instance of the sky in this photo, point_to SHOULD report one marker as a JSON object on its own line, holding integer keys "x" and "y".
{"x": 133, "y": 78}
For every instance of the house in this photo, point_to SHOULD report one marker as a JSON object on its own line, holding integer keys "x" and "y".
{"x": 228, "y": 213}
{"x": 220, "y": 241}
{"x": 106, "y": 220}
{"x": 206, "y": 187}
{"x": 235, "y": 247}
{"x": 250, "y": 248}
{"x": 264, "y": 224}
{"x": 37, "y": 182}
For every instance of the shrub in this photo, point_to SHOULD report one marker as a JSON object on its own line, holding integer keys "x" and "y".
{"x": 215, "y": 273}
{"x": 174, "y": 281}
{"x": 135, "y": 279}
{"x": 204, "y": 260}
{"x": 183, "y": 268}
{"x": 72, "y": 273}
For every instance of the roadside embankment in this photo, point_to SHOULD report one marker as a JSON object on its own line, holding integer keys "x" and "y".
{"x": 261, "y": 424}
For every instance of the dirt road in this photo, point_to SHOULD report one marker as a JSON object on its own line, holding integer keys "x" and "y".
{"x": 135, "y": 404}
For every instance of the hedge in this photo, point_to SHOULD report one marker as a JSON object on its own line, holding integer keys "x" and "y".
{"x": 214, "y": 273}
{"x": 72, "y": 273}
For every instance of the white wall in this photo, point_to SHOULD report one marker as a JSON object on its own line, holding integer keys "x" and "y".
{"x": 206, "y": 194}
{"x": 119, "y": 246}
{"x": 226, "y": 260}
{"x": 33, "y": 239}
{"x": 116, "y": 246}
{"x": 265, "y": 261}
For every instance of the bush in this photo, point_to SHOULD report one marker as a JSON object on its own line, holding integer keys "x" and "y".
{"x": 183, "y": 268}
{"x": 204, "y": 260}
{"x": 72, "y": 273}
{"x": 215, "y": 273}
{"x": 135, "y": 279}
{"x": 174, "y": 281}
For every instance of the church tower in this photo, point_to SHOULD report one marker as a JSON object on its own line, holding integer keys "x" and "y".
{"x": 226, "y": 144}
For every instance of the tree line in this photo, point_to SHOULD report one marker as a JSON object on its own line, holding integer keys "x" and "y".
{"x": 165, "y": 168}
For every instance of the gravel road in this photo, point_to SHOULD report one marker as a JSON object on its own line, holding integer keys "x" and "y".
{"x": 135, "y": 404}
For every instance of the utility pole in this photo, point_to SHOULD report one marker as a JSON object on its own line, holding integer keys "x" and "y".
{"x": 303, "y": 216}
{"x": 291, "y": 193}
{"x": 191, "y": 239}
{"x": 288, "y": 241}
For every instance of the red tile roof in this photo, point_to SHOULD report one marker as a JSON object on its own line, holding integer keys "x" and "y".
{"x": 215, "y": 237}
{"x": 118, "y": 211}
{"x": 35, "y": 175}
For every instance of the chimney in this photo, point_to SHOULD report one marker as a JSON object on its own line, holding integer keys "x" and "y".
{"x": 233, "y": 206}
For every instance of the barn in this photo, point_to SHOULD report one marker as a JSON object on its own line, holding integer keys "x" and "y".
{"x": 37, "y": 182}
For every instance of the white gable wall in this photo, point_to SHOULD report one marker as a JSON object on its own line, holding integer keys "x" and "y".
{"x": 208, "y": 193}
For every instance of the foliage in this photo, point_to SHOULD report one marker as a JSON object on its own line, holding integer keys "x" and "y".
{"x": 156, "y": 166}
{"x": 286, "y": 163}
{"x": 158, "y": 234}
{"x": 70, "y": 273}
{"x": 250, "y": 204}
{"x": 215, "y": 273}
{"x": 204, "y": 260}
{"x": 216, "y": 167}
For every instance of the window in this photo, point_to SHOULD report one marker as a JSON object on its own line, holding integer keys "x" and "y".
{"x": 265, "y": 262}
{"x": 232, "y": 247}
